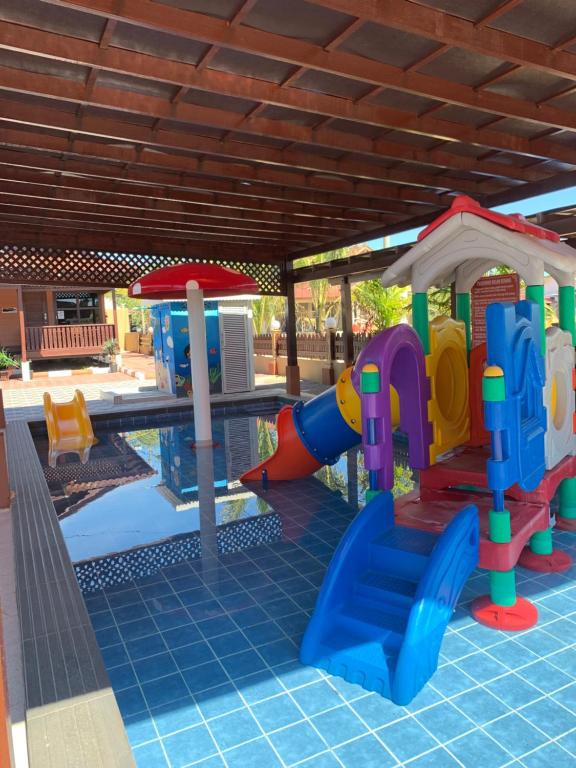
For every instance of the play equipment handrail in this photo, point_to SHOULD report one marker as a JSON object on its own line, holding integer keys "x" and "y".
{"x": 450, "y": 563}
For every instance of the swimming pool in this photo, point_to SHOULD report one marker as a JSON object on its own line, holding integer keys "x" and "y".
{"x": 199, "y": 594}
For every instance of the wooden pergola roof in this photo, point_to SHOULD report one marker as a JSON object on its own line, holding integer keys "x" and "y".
{"x": 266, "y": 130}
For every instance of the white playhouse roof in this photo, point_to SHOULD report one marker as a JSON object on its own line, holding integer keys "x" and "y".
{"x": 468, "y": 240}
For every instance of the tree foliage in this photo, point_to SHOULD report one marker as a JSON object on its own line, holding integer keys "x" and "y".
{"x": 382, "y": 307}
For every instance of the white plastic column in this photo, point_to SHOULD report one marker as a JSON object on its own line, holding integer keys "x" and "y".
{"x": 199, "y": 364}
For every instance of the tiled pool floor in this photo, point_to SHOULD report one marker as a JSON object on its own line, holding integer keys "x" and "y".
{"x": 203, "y": 657}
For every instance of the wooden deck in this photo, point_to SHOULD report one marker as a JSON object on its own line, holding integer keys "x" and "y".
{"x": 51, "y": 341}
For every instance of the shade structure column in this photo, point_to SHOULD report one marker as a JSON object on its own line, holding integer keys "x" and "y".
{"x": 347, "y": 330}
{"x": 199, "y": 364}
{"x": 292, "y": 368}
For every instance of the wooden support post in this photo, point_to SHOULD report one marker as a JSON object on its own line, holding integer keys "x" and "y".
{"x": 51, "y": 306}
{"x": 23, "y": 351}
{"x": 292, "y": 368}
{"x": 347, "y": 319}
{"x": 115, "y": 317}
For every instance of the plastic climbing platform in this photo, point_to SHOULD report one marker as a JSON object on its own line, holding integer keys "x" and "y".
{"x": 387, "y": 598}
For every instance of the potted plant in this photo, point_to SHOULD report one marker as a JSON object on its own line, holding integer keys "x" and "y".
{"x": 8, "y": 364}
{"x": 110, "y": 351}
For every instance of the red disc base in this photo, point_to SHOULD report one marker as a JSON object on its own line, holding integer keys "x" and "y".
{"x": 554, "y": 563}
{"x": 566, "y": 523}
{"x": 511, "y": 618}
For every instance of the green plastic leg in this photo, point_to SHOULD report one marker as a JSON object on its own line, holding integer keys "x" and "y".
{"x": 567, "y": 496}
{"x": 541, "y": 542}
{"x": 503, "y": 587}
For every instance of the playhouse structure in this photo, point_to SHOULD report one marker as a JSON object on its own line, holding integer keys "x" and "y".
{"x": 491, "y": 430}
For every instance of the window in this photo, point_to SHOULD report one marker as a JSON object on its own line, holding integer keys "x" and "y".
{"x": 77, "y": 308}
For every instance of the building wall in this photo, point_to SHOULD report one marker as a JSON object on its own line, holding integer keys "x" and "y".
{"x": 9, "y": 325}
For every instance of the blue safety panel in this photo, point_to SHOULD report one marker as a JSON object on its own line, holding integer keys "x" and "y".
{"x": 386, "y": 600}
{"x": 513, "y": 343}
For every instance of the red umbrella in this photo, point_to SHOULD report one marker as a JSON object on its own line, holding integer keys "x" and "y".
{"x": 211, "y": 279}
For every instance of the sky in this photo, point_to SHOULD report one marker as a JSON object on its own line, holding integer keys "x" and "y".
{"x": 526, "y": 207}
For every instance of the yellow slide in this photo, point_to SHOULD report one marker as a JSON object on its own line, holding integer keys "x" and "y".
{"x": 69, "y": 428}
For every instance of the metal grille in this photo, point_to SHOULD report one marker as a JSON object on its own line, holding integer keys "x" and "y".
{"x": 60, "y": 266}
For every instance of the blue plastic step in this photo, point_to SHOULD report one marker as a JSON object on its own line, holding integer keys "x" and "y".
{"x": 403, "y": 552}
{"x": 388, "y": 590}
{"x": 367, "y": 620}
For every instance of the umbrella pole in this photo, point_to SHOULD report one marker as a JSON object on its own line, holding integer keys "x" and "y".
{"x": 199, "y": 364}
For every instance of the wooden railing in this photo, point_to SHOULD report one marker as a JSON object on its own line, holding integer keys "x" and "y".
{"x": 310, "y": 345}
{"x": 67, "y": 340}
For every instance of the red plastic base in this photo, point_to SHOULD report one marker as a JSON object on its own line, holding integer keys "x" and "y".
{"x": 511, "y": 618}
{"x": 565, "y": 523}
{"x": 557, "y": 561}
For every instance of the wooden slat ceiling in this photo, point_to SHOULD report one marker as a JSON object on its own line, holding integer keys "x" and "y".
{"x": 268, "y": 129}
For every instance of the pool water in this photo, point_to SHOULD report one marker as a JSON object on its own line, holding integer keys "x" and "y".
{"x": 199, "y": 590}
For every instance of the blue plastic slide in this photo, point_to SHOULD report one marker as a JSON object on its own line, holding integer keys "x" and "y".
{"x": 387, "y": 598}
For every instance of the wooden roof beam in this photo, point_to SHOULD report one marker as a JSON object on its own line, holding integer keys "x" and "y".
{"x": 48, "y": 44}
{"x": 499, "y": 10}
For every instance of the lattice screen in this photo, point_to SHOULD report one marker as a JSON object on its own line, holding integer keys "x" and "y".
{"x": 59, "y": 266}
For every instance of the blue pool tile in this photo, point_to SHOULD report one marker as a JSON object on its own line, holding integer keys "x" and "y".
{"x": 96, "y": 603}
{"x": 481, "y": 667}
{"x": 233, "y": 729}
{"x": 406, "y": 739}
{"x": 225, "y": 587}
{"x": 184, "y": 583}
{"x": 139, "y": 729}
{"x": 376, "y": 710}
{"x": 476, "y": 749}
{"x": 164, "y": 690}
{"x": 544, "y": 676}
{"x": 550, "y": 717}
{"x": 122, "y": 677}
{"x": 316, "y": 697}
{"x": 514, "y": 691}
{"x": 294, "y": 624}
{"x": 297, "y": 742}
{"x": 257, "y": 579}
{"x": 437, "y": 758}
{"x": 108, "y": 636}
{"x": 445, "y": 722}
{"x": 249, "y": 616}
{"x": 191, "y": 655}
{"x": 512, "y": 654}
{"x": 218, "y": 700}
{"x": 205, "y": 676}
{"x": 366, "y": 752}
{"x": 259, "y": 686}
{"x": 150, "y": 756}
{"x": 157, "y": 589}
{"x": 206, "y": 610}
{"x": 189, "y": 746}
{"x": 194, "y": 596}
{"x": 130, "y": 701}
{"x": 565, "y": 660}
{"x": 102, "y": 619}
{"x": 241, "y": 664}
{"x": 549, "y": 755}
{"x": 176, "y": 571}
{"x": 156, "y": 666}
{"x": 253, "y": 754}
{"x": 135, "y": 629}
{"x": 349, "y": 691}
{"x": 450, "y": 680}
{"x": 540, "y": 642}
{"x": 114, "y": 655}
{"x": 480, "y": 706}
{"x": 279, "y": 652}
{"x": 283, "y": 607}
{"x": 267, "y": 594}
{"x": 172, "y": 619}
{"x": 236, "y": 602}
{"x": 125, "y": 597}
{"x": 143, "y": 647}
{"x": 263, "y": 633}
{"x": 515, "y": 734}
{"x": 176, "y": 716}
{"x": 338, "y": 725}
{"x": 130, "y": 613}
{"x": 163, "y": 604}
{"x": 219, "y": 625}
{"x": 276, "y": 713}
{"x": 174, "y": 638}
{"x": 567, "y": 697}
{"x": 232, "y": 642}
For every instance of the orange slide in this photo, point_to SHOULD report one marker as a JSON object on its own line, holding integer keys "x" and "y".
{"x": 69, "y": 427}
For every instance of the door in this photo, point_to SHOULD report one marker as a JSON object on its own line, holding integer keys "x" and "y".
{"x": 35, "y": 308}
{"x": 236, "y": 350}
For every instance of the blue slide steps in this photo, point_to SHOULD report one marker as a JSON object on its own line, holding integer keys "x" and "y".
{"x": 387, "y": 598}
